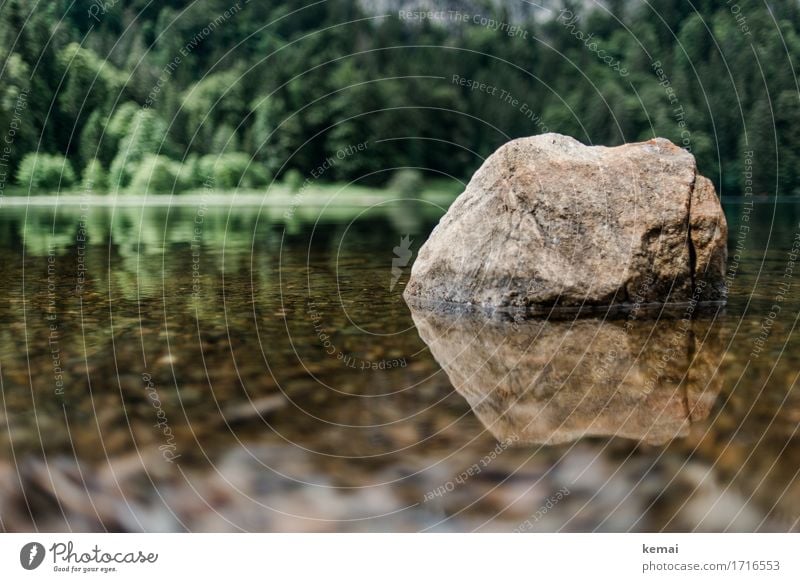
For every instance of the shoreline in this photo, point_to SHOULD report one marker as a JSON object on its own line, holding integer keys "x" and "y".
{"x": 248, "y": 199}
{"x": 268, "y": 199}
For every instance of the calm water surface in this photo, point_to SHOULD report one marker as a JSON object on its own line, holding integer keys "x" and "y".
{"x": 251, "y": 369}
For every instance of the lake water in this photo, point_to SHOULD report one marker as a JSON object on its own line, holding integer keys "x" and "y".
{"x": 216, "y": 369}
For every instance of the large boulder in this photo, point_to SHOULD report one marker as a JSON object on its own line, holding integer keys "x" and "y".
{"x": 547, "y": 221}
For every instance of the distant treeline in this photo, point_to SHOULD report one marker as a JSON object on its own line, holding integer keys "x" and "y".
{"x": 177, "y": 95}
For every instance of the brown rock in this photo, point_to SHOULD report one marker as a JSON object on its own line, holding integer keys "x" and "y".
{"x": 709, "y": 238}
{"x": 549, "y": 221}
{"x": 551, "y": 382}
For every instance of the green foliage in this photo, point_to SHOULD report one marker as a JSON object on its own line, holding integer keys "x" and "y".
{"x": 89, "y": 81}
{"x": 94, "y": 179}
{"x": 45, "y": 172}
{"x": 156, "y": 175}
{"x": 407, "y": 183}
{"x": 307, "y": 89}
{"x": 15, "y": 111}
{"x": 90, "y": 146}
{"x": 293, "y": 180}
{"x": 122, "y": 120}
{"x": 145, "y": 134}
{"x": 233, "y": 170}
{"x": 213, "y": 107}
{"x": 191, "y": 174}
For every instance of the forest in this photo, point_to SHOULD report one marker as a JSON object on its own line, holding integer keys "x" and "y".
{"x": 122, "y": 96}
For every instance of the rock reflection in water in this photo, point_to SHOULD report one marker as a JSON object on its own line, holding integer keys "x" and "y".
{"x": 554, "y": 381}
